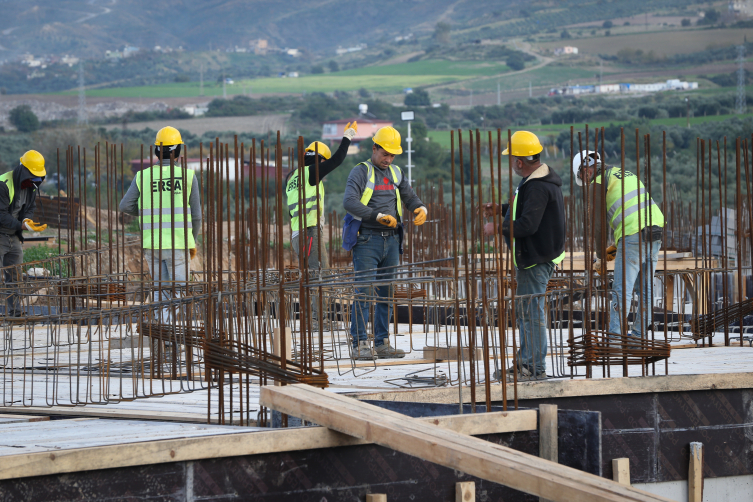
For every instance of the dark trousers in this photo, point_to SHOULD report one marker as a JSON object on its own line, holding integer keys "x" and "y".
{"x": 11, "y": 253}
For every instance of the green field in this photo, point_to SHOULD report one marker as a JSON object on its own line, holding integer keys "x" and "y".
{"x": 386, "y": 78}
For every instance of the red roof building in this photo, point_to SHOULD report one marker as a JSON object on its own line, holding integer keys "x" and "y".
{"x": 334, "y": 129}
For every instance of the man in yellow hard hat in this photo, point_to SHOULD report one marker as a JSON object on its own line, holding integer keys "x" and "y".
{"x": 167, "y": 200}
{"x": 537, "y": 239}
{"x": 18, "y": 194}
{"x": 374, "y": 195}
{"x": 307, "y": 225}
{"x": 637, "y": 224}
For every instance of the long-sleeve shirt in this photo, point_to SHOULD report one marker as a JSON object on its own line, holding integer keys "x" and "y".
{"x": 23, "y": 205}
{"x": 384, "y": 199}
{"x": 130, "y": 204}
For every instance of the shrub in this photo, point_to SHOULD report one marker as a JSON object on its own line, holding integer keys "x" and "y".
{"x": 181, "y": 78}
{"x": 685, "y": 22}
{"x": 419, "y": 97}
{"x": 316, "y": 69}
{"x": 515, "y": 62}
{"x": 607, "y": 24}
{"x": 24, "y": 119}
{"x": 333, "y": 66}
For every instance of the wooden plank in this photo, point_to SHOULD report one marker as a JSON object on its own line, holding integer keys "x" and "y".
{"x": 548, "y": 436}
{"x": 451, "y": 353}
{"x": 465, "y": 491}
{"x": 695, "y": 473}
{"x": 471, "y": 455}
{"x": 12, "y": 418}
{"x": 376, "y": 497}
{"x": 235, "y": 444}
{"x": 573, "y": 388}
{"x": 621, "y": 470}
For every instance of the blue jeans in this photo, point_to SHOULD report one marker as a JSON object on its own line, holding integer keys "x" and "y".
{"x": 635, "y": 265}
{"x": 373, "y": 251}
{"x": 531, "y": 315}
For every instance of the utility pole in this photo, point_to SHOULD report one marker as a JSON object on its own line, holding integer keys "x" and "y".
{"x": 740, "y": 106}
{"x": 201, "y": 80}
{"x": 499, "y": 95}
{"x": 83, "y": 117}
{"x": 409, "y": 116}
{"x": 687, "y": 113}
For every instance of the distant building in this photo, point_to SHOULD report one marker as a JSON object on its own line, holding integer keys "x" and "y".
{"x": 607, "y": 88}
{"x": 113, "y": 55}
{"x": 196, "y": 110}
{"x": 293, "y": 74}
{"x": 344, "y": 50}
{"x": 69, "y": 60}
{"x": 334, "y": 129}
{"x": 259, "y": 46}
{"x": 129, "y": 51}
{"x": 563, "y": 51}
{"x": 624, "y": 88}
{"x": 293, "y": 52}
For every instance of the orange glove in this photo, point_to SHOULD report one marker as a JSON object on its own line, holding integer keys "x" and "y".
{"x": 192, "y": 253}
{"x": 611, "y": 253}
{"x": 387, "y": 220}
{"x": 34, "y": 227}
{"x": 420, "y": 218}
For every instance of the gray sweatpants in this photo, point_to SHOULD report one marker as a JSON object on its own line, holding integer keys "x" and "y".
{"x": 11, "y": 253}
{"x": 311, "y": 253}
{"x": 167, "y": 273}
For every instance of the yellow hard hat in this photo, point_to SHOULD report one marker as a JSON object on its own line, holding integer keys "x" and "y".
{"x": 168, "y": 136}
{"x": 321, "y": 148}
{"x": 524, "y": 143}
{"x": 389, "y": 139}
{"x": 34, "y": 162}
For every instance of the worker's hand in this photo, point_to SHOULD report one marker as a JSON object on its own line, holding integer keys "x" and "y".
{"x": 350, "y": 130}
{"x": 387, "y": 220}
{"x": 611, "y": 253}
{"x": 596, "y": 265}
{"x": 489, "y": 209}
{"x": 420, "y": 218}
{"x": 34, "y": 227}
{"x": 489, "y": 229}
{"x": 192, "y": 253}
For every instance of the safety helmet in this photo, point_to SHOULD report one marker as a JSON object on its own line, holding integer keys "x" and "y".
{"x": 389, "y": 139}
{"x": 524, "y": 144}
{"x": 34, "y": 162}
{"x": 585, "y": 158}
{"x": 168, "y": 136}
{"x": 322, "y": 149}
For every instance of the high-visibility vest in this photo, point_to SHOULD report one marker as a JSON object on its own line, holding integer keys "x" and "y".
{"x": 639, "y": 210}
{"x": 556, "y": 261}
{"x": 7, "y": 178}
{"x": 309, "y": 199}
{"x": 164, "y": 222}
{"x": 397, "y": 177}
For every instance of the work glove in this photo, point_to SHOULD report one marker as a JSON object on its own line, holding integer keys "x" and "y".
{"x": 192, "y": 253}
{"x": 489, "y": 229}
{"x": 387, "y": 220}
{"x": 350, "y": 130}
{"x": 489, "y": 209}
{"x": 34, "y": 227}
{"x": 599, "y": 266}
{"x": 420, "y": 218}
{"x": 611, "y": 253}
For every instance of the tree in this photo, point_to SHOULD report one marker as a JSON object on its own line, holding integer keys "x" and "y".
{"x": 364, "y": 93}
{"x": 24, "y": 119}
{"x": 515, "y": 62}
{"x": 333, "y": 66}
{"x": 565, "y": 34}
{"x": 317, "y": 69}
{"x": 685, "y": 22}
{"x": 711, "y": 16}
{"x": 607, "y": 33}
{"x": 442, "y": 33}
{"x": 607, "y": 24}
{"x": 419, "y": 97}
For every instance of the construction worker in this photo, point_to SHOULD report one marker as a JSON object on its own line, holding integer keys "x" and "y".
{"x": 374, "y": 196}
{"x": 156, "y": 196}
{"x": 310, "y": 225}
{"x": 18, "y": 194}
{"x": 635, "y": 220}
{"x": 538, "y": 245}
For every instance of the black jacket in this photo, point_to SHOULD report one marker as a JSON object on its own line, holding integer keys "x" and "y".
{"x": 540, "y": 226}
{"x": 9, "y": 224}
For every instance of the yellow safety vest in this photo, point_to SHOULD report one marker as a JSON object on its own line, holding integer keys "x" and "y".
{"x": 556, "y": 261}
{"x": 309, "y": 200}
{"x": 639, "y": 211}
{"x": 7, "y": 178}
{"x": 397, "y": 177}
{"x": 165, "y": 224}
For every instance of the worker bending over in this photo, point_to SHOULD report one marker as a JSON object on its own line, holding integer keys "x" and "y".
{"x": 311, "y": 224}
{"x": 374, "y": 196}
{"x": 18, "y": 195}
{"x": 537, "y": 239}
{"x": 637, "y": 222}
{"x": 168, "y": 229}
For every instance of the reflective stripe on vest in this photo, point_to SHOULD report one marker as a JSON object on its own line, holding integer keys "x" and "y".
{"x": 309, "y": 200}
{"x": 397, "y": 177}
{"x": 7, "y": 178}
{"x": 639, "y": 210}
{"x": 165, "y": 223}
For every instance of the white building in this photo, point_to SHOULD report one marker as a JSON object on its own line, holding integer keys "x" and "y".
{"x": 563, "y": 51}
{"x": 607, "y": 88}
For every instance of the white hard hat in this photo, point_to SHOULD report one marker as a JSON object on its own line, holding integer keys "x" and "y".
{"x": 591, "y": 159}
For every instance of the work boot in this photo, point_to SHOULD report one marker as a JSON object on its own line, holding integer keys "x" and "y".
{"x": 386, "y": 351}
{"x": 363, "y": 352}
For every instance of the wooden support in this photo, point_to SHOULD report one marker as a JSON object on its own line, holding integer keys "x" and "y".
{"x": 470, "y": 455}
{"x": 621, "y": 470}
{"x": 451, "y": 353}
{"x": 376, "y": 497}
{"x": 695, "y": 473}
{"x": 548, "y": 437}
{"x": 465, "y": 491}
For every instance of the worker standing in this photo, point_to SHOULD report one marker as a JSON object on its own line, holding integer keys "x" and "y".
{"x": 636, "y": 220}
{"x": 537, "y": 239}
{"x": 18, "y": 195}
{"x": 374, "y": 196}
{"x": 311, "y": 223}
{"x": 169, "y": 229}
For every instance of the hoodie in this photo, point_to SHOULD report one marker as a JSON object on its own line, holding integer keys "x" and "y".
{"x": 13, "y": 214}
{"x": 540, "y": 226}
